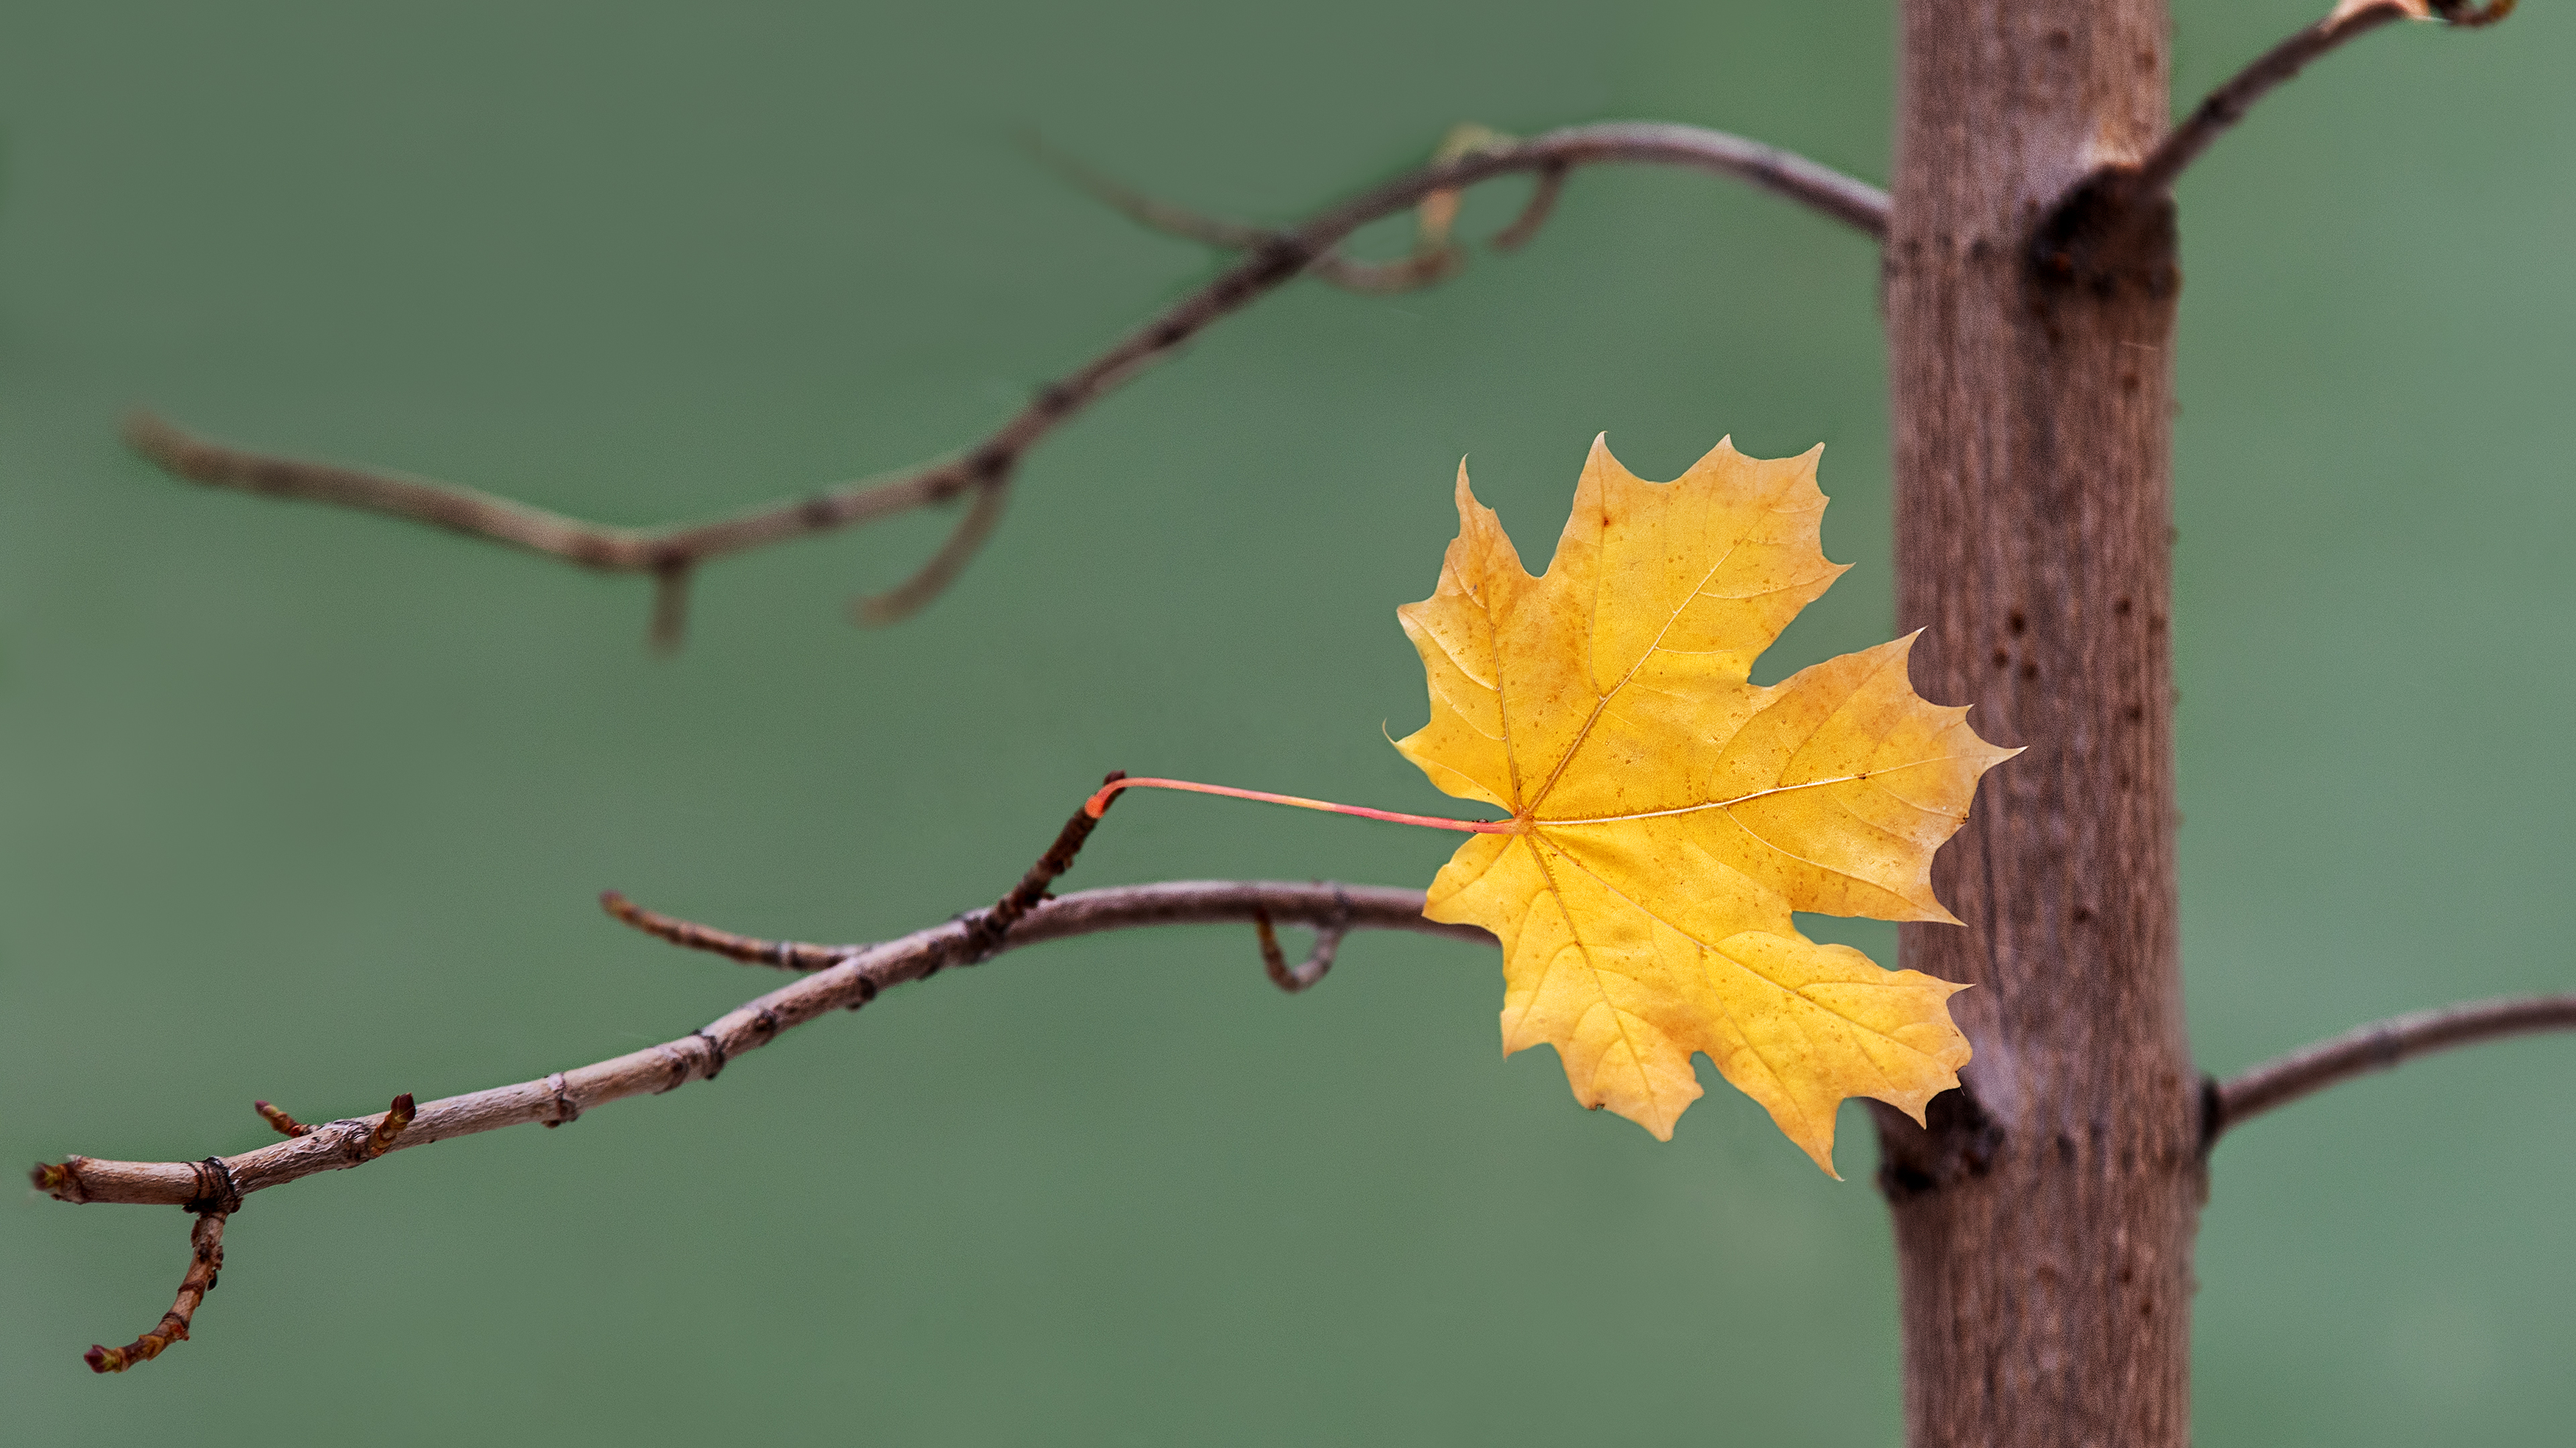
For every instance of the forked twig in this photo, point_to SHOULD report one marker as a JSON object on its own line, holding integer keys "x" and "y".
{"x": 218, "y": 1184}
{"x": 985, "y": 470}
{"x": 1435, "y": 256}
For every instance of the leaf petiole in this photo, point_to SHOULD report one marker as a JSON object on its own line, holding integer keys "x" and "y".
{"x": 1100, "y": 801}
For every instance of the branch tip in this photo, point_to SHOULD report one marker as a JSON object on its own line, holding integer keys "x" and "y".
{"x": 284, "y": 1124}
{"x": 2470, "y": 17}
{"x": 750, "y": 950}
{"x": 907, "y": 598}
{"x": 205, "y": 1263}
{"x": 387, "y": 1131}
{"x": 1534, "y": 213}
{"x": 670, "y": 606}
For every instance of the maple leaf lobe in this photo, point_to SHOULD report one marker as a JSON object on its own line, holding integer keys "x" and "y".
{"x": 1671, "y": 816}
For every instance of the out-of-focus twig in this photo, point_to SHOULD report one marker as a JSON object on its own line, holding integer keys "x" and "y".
{"x": 982, "y": 474}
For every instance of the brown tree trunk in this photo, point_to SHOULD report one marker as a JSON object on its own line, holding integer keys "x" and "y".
{"x": 2044, "y": 1223}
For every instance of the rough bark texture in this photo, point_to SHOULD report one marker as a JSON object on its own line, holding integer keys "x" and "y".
{"x": 2044, "y": 1222}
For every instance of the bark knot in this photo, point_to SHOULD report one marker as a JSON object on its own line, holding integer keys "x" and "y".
{"x": 2109, "y": 237}
{"x": 1958, "y": 1140}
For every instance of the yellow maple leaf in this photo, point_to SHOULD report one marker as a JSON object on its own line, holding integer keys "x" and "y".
{"x": 1668, "y": 814}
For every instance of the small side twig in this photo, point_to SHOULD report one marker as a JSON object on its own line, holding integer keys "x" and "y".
{"x": 2377, "y": 1047}
{"x": 205, "y": 1262}
{"x": 2228, "y": 104}
{"x": 984, "y": 936}
{"x": 982, "y": 475}
{"x": 1274, "y": 961}
{"x": 284, "y": 1124}
{"x": 750, "y": 950}
{"x": 670, "y": 606}
{"x": 1434, "y": 258}
{"x": 983, "y": 514}
{"x": 1534, "y": 212}
{"x": 388, "y": 1130}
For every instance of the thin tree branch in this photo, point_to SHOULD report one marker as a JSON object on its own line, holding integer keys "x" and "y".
{"x": 2228, "y": 104}
{"x": 793, "y": 955}
{"x": 1534, "y": 212}
{"x": 1425, "y": 266}
{"x": 1435, "y": 257}
{"x": 670, "y": 606}
{"x": 984, "y": 936}
{"x": 2379, "y": 1046}
{"x": 279, "y": 1121}
{"x": 1303, "y": 975}
{"x": 852, "y": 982}
{"x": 986, "y": 469}
{"x": 205, "y": 1261}
{"x": 983, "y": 933}
{"x": 932, "y": 578}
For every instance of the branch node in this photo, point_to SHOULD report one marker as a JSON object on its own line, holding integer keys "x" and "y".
{"x": 1957, "y": 1140}
{"x": 559, "y": 1095}
{"x": 681, "y": 1069}
{"x": 2108, "y": 236}
{"x": 215, "y": 1190}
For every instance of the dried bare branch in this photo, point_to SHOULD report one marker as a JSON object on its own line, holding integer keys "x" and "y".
{"x": 2228, "y": 104}
{"x": 386, "y": 1134}
{"x": 1534, "y": 212}
{"x": 1434, "y": 259}
{"x": 2379, "y": 1046}
{"x": 1303, "y": 975}
{"x": 205, "y": 1261}
{"x": 670, "y": 606}
{"x": 986, "y": 469}
{"x": 932, "y": 578}
{"x": 218, "y": 1184}
{"x": 985, "y": 934}
{"x": 785, "y": 954}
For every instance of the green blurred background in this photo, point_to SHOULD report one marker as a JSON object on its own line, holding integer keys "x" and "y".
{"x": 311, "y": 806}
